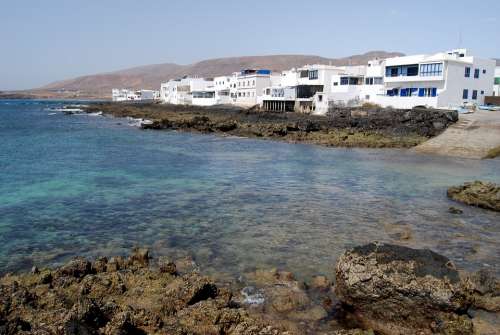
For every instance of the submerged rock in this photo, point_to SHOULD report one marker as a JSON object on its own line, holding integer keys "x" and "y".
{"x": 398, "y": 290}
{"x": 454, "y": 210}
{"x": 477, "y": 193}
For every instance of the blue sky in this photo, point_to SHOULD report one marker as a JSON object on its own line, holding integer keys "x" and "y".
{"x": 44, "y": 41}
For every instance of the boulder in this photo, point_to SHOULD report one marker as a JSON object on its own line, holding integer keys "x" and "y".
{"x": 166, "y": 265}
{"x": 77, "y": 268}
{"x": 398, "y": 290}
{"x": 140, "y": 256}
{"x": 99, "y": 265}
{"x": 85, "y": 317}
{"x": 477, "y": 193}
{"x": 485, "y": 290}
{"x": 188, "y": 290}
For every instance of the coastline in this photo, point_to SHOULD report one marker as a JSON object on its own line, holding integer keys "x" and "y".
{"x": 140, "y": 294}
{"x": 346, "y": 127}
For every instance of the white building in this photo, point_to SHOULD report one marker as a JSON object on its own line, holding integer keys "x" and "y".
{"x": 299, "y": 89}
{"x": 118, "y": 94}
{"x": 202, "y": 92}
{"x": 223, "y": 88}
{"x": 250, "y": 86}
{"x": 180, "y": 91}
{"x": 444, "y": 80}
{"x": 496, "y": 87}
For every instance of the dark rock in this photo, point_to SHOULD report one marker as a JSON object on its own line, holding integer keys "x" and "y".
{"x": 167, "y": 266}
{"x": 45, "y": 278}
{"x": 77, "y": 268}
{"x": 115, "y": 264}
{"x": 477, "y": 193}
{"x": 485, "y": 290}
{"x": 226, "y": 126}
{"x": 188, "y": 290}
{"x": 454, "y": 210}
{"x": 397, "y": 290}
{"x": 99, "y": 265}
{"x": 14, "y": 326}
{"x": 121, "y": 324}
{"x": 140, "y": 256}
{"x": 85, "y": 317}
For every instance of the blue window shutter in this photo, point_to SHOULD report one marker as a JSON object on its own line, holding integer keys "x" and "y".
{"x": 421, "y": 92}
{"x": 403, "y": 92}
{"x": 434, "y": 92}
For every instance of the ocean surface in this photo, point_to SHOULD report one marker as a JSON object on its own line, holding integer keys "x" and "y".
{"x": 93, "y": 185}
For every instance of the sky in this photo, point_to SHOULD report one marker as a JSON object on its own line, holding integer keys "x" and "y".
{"x": 45, "y": 41}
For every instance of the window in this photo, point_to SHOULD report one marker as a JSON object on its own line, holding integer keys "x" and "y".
{"x": 427, "y": 70}
{"x": 344, "y": 81}
{"x": 378, "y": 81}
{"x": 412, "y": 71}
{"x": 369, "y": 81}
{"x": 476, "y": 73}
{"x": 313, "y": 74}
{"x": 465, "y": 94}
{"x": 336, "y": 83}
{"x": 320, "y": 98}
{"x": 497, "y": 81}
{"x": 474, "y": 95}
{"x": 482, "y": 92}
{"x": 304, "y": 74}
{"x": 484, "y": 71}
{"x": 403, "y": 70}
{"x": 354, "y": 81}
{"x": 393, "y": 92}
{"x": 467, "y": 72}
{"x": 367, "y": 97}
{"x": 253, "y": 83}
{"x": 408, "y": 92}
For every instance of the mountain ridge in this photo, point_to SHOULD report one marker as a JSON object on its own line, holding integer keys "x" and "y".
{"x": 151, "y": 76}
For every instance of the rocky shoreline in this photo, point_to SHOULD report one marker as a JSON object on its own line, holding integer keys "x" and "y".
{"x": 369, "y": 126}
{"x": 479, "y": 194}
{"x": 377, "y": 289}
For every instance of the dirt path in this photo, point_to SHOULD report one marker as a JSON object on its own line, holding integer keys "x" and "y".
{"x": 471, "y": 137}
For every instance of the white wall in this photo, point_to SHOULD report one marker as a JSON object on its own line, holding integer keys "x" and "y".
{"x": 496, "y": 88}
{"x": 250, "y": 88}
{"x": 456, "y": 82}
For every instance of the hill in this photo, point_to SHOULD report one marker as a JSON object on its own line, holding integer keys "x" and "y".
{"x": 150, "y": 76}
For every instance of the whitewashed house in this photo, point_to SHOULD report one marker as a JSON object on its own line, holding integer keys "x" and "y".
{"x": 496, "y": 86}
{"x": 301, "y": 89}
{"x": 222, "y": 87}
{"x": 250, "y": 86}
{"x": 203, "y": 92}
{"x": 443, "y": 80}
{"x": 180, "y": 91}
{"x": 118, "y": 95}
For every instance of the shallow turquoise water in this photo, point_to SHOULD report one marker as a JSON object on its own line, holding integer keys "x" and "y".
{"x": 91, "y": 185}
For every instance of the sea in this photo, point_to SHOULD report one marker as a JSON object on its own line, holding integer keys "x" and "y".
{"x": 93, "y": 185}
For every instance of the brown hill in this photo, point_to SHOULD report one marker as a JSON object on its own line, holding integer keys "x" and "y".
{"x": 150, "y": 76}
